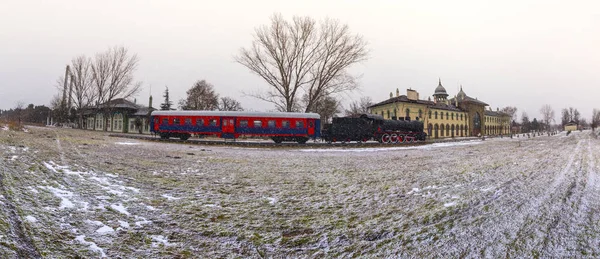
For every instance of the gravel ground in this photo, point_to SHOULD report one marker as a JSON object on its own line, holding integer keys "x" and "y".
{"x": 69, "y": 193}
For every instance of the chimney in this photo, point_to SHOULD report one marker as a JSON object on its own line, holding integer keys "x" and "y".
{"x": 412, "y": 94}
{"x": 150, "y": 102}
{"x": 397, "y": 92}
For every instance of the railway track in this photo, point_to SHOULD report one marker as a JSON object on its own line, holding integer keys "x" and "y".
{"x": 266, "y": 144}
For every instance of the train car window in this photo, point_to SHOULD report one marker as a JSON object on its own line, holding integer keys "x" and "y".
{"x": 165, "y": 121}
{"x": 176, "y": 121}
{"x": 285, "y": 124}
{"x": 225, "y": 122}
{"x": 188, "y": 121}
{"x": 213, "y": 122}
{"x": 271, "y": 123}
{"x": 244, "y": 123}
{"x": 299, "y": 124}
{"x": 200, "y": 122}
{"x": 311, "y": 124}
{"x": 257, "y": 124}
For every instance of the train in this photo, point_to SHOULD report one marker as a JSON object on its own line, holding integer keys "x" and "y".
{"x": 283, "y": 126}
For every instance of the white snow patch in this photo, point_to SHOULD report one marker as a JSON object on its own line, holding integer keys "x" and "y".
{"x": 150, "y": 207}
{"x": 4, "y": 128}
{"x": 127, "y": 143}
{"x": 92, "y": 245}
{"x": 272, "y": 201}
{"x": 124, "y": 224}
{"x": 450, "y": 204}
{"x": 120, "y": 208}
{"x": 169, "y": 197}
{"x": 30, "y": 218}
{"x": 112, "y": 175}
{"x": 33, "y": 190}
{"x": 13, "y": 158}
{"x": 105, "y": 230}
{"x": 136, "y": 190}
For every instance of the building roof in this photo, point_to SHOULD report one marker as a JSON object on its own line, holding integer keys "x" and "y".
{"x": 119, "y": 103}
{"x": 404, "y": 99}
{"x": 495, "y": 113}
{"x": 401, "y": 98}
{"x": 440, "y": 90}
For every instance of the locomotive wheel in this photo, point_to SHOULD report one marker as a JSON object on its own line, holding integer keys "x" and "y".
{"x": 394, "y": 138}
{"x": 385, "y": 138}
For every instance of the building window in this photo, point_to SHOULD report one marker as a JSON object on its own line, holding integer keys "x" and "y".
{"x": 407, "y": 113}
{"x": 452, "y": 116}
{"x": 446, "y": 115}
{"x": 388, "y": 114}
{"x": 420, "y": 113}
{"x": 436, "y": 115}
{"x": 429, "y": 114}
{"x": 461, "y": 117}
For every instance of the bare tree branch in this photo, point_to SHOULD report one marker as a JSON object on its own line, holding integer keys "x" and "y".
{"x": 297, "y": 56}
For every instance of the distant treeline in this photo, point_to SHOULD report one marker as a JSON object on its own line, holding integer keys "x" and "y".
{"x": 30, "y": 114}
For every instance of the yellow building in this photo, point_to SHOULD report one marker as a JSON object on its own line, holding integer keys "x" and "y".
{"x": 571, "y": 126}
{"x": 460, "y": 116}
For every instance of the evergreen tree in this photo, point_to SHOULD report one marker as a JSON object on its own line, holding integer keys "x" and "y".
{"x": 166, "y": 106}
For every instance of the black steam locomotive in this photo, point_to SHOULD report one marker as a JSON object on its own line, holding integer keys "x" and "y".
{"x": 372, "y": 127}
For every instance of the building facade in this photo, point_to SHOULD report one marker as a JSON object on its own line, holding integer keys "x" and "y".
{"x": 461, "y": 116}
{"x": 118, "y": 115}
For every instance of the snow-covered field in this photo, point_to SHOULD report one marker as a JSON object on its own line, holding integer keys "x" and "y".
{"x": 67, "y": 193}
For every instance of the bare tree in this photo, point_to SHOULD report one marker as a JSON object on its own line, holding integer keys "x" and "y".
{"x": 595, "y": 119}
{"x": 81, "y": 79}
{"x": 511, "y": 111}
{"x": 359, "y": 107}
{"x": 547, "y": 114}
{"x": 298, "y": 56}
{"x": 201, "y": 96}
{"x": 19, "y": 111}
{"x": 112, "y": 73}
{"x": 229, "y": 104}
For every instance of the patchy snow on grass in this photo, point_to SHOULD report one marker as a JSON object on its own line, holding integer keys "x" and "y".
{"x": 63, "y": 195}
{"x": 393, "y": 148}
{"x": 141, "y": 221}
{"x": 159, "y": 239}
{"x": 92, "y": 245}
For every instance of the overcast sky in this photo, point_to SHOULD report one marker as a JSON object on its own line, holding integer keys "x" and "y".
{"x": 517, "y": 53}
